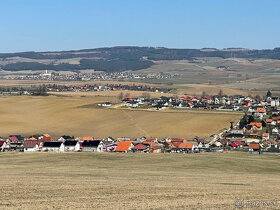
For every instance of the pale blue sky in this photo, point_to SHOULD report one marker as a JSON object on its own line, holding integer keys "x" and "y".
{"x": 42, "y": 25}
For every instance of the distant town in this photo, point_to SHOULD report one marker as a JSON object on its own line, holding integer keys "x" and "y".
{"x": 93, "y": 76}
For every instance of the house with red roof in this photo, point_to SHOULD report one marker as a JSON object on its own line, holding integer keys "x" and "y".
{"x": 256, "y": 125}
{"x": 124, "y": 146}
{"x": 261, "y": 110}
{"x": 265, "y": 136}
{"x": 169, "y": 146}
{"x": 186, "y": 147}
{"x": 236, "y": 144}
{"x": 275, "y": 118}
{"x": 3, "y": 145}
{"x": 13, "y": 139}
{"x": 153, "y": 147}
{"x": 87, "y": 138}
{"x": 254, "y": 147}
{"x": 139, "y": 148}
{"x": 45, "y": 139}
{"x": 268, "y": 121}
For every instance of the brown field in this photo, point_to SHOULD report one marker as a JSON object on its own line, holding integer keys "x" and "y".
{"x": 137, "y": 181}
{"x": 79, "y": 116}
{"x": 114, "y": 94}
{"x": 198, "y": 89}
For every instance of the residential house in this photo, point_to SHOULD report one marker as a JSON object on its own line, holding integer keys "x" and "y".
{"x": 45, "y": 138}
{"x": 92, "y": 146}
{"x": 251, "y": 140}
{"x": 256, "y": 126}
{"x": 3, "y": 145}
{"x": 31, "y": 146}
{"x": 272, "y": 143}
{"x": 153, "y": 147}
{"x": 275, "y": 131}
{"x": 124, "y": 146}
{"x": 87, "y": 138}
{"x": 236, "y": 145}
{"x": 14, "y": 139}
{"x": 53, "y": 147}
{"x": 65, "y": 138}
{"x": 261, "y": 110}
{"x": 109, "y": 147}
{"x": 168, "y": 146}
{"x": 235, "y": 136}
{"x": 254, "y": 147}
{"x": 133, "y": 104}
{"x": 186, "y": 147}
{"x": 109, "y": 139}
{"x": 106, "y": 104}
{"x": 265, "y": 136}
{"x": 15, "y": 146}
{"x": 139, "y": 148}
{"x": 71, "y": 146}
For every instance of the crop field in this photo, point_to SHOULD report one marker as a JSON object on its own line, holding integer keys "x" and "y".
{"x": 79, "y": 116}
{"x": 137, "y": 181}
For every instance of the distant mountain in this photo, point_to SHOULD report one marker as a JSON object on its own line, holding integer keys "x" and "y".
{"x": 117, "y": 59}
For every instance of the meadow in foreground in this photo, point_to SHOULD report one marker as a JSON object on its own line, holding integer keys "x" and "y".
{"x": 129, "y": 181}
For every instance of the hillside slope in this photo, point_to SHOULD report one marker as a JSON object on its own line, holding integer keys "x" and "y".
{"x": 117, "y": 59}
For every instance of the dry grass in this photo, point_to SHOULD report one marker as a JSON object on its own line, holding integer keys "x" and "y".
{"x": 198, "y": 89}
{"x": 136, "y": 181}
{"x": 114, "y": 93}
{"x": 79, "y": 117}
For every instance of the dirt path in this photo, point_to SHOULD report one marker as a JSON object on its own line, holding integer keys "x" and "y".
{"x": 135, "y": 123}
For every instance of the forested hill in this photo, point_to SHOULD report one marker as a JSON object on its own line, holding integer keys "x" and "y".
{"x": 119, "y": 58}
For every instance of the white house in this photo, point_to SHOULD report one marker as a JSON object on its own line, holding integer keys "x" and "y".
{"x": 65, "y": 138}
{"x": 3, "y": 145}
{"x": 53, "y": 147}
{"x": 275, "y": 131}
{"x": 72, "y": 146}
{"x": 133, "y": 104}
{"x": 106, "y": 104}
{"x": 274, "y": 102}
{"x": 92, "y": 146}
{"x": 31, "y": 146}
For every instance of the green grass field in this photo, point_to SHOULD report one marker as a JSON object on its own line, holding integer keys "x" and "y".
{"x": 130, "y": 181}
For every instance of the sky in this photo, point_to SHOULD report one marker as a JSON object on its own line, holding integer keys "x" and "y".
{"x": 54, "y": 25}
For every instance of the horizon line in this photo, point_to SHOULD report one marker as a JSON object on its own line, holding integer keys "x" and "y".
{"x": 120, "y": 46}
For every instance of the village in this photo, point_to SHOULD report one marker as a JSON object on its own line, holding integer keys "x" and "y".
{"x": 230, "y": 140}
{"x": 255, "y": 106}
{"x": 89, "y": 76}
{"x": 257, "y": 131}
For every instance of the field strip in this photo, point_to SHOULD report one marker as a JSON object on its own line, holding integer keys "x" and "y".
{"x": 135, "y": 124}
{"x": 178, "y": 111}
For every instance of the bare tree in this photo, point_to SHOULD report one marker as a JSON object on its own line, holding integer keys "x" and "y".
{"x": 146, "y": 95}
{"x": 203, "y": 94}
{"x": 220, "y": 94}
{"x": 120, "y": 96}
